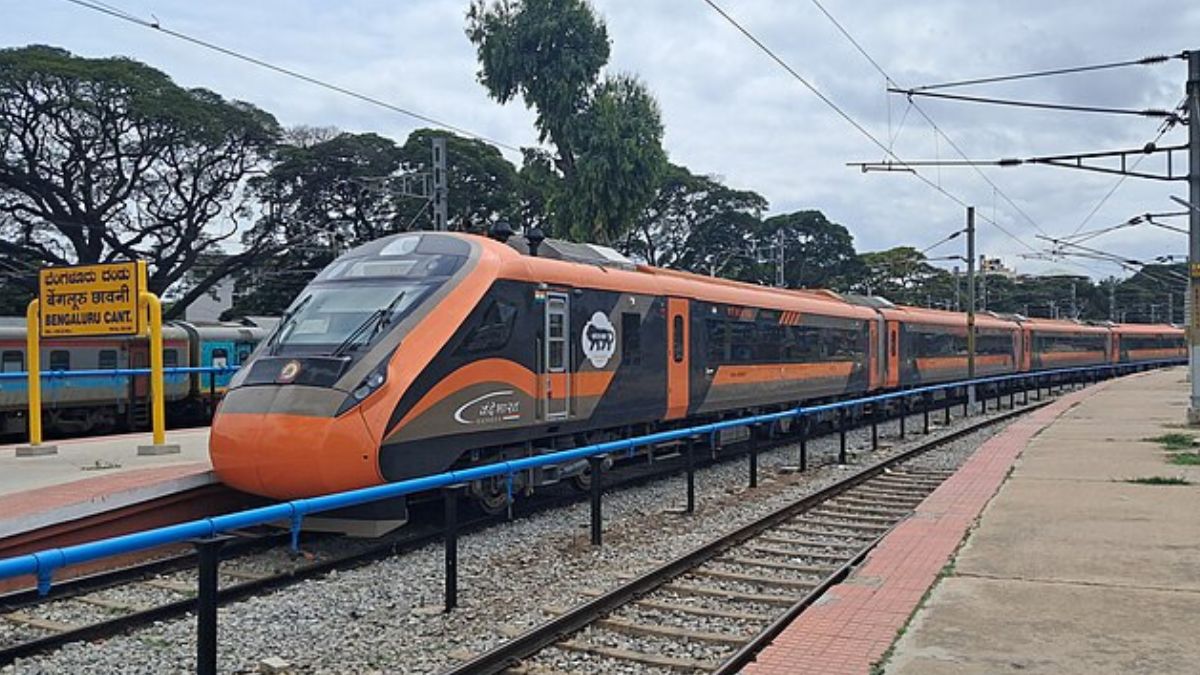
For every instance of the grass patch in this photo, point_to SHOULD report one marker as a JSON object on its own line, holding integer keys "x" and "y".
{"x": 1159, "y": 480}
{"x": 1185, "y": 459}
{"x": 1175, "y": 441}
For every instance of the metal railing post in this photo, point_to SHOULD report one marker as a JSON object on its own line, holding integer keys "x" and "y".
{"x": 691, "y": 474}
{"x": 753, "y": 455}
{"x": 903, "y": 414}
{"x": 875, "y": 426}
{"x": 597, "y": 489}
{"x": 925, "y": 411}
{"x": 208, "y": 551}
{"x": 803, "y": 443}
{"x": 946, "y": 405}
{"x": 841, "y": 417}
{"x": 450, "y": 496}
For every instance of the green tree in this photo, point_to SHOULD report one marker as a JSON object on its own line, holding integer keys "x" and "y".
{"x": 818, "y": 253}
{"x": 108, "y": 158}
{"x": 330, "y": 191}
{"x": 482, "y": 184}
{"x": 899, "y": 274}
{"x": 607, "y": 133}
{"x": 697, "y": 224}
{"x": 1152, "y": 293}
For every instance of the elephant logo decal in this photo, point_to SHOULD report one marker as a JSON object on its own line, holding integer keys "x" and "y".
{"x": 599, "y": 340}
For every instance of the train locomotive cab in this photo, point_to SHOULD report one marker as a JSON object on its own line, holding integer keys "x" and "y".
{"x": 306, "y": 414}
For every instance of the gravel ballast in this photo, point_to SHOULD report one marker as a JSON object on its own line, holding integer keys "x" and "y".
{"x": 385, "y": 617}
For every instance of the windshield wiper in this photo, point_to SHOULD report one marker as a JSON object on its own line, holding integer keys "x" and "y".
{"x": 273, "y": 343}
{"x": 377, "y": 321}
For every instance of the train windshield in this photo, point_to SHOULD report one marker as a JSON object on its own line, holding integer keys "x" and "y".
{"x": 361, "y": 295}
{"x": 341, "y": 318}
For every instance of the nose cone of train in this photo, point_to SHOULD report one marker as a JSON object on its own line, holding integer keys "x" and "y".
{"x": 286, "y": 456}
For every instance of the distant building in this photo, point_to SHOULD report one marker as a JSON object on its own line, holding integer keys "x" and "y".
{"x": 210, "y": 305}
{"x": 995, "y": 267}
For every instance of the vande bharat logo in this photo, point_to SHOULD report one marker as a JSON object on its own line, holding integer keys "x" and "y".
{"x": 289, "y": 372}
{"x": 491, "y": 408}
{"x": 599, "y": 340}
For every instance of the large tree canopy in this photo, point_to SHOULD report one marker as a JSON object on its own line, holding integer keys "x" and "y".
{"x": 818, "y": 253}
{"x": 108, "y": 158}
{"x": 696, "y": 223}
{"x": 330, "y": 191}
{"x": 607, "y": 133}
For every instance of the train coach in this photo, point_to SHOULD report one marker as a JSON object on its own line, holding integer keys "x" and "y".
{"x": 422, "y": 352}
{"x": 100, "y": 403}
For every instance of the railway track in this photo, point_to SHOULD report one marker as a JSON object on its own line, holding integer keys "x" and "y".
{"x": 258, "y": 562}
{"x": 713, "y": 608}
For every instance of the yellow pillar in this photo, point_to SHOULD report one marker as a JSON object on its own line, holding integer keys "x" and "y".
{"x": 158, "y": 407}
{"x": 33, "y": 366}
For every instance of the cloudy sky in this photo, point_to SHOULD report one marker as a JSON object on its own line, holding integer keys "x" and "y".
{"x": 727, "y": 109}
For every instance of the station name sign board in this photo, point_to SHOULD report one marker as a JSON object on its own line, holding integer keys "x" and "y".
{"x": 89, "y": 300}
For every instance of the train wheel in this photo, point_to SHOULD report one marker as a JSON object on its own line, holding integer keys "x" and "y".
{"x": 491, "y": 495}
{"x": 582, "y": 481}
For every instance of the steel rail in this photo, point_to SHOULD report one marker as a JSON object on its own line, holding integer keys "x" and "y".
{"x": 43, "y": 563}
{"x": 510, "y": 653}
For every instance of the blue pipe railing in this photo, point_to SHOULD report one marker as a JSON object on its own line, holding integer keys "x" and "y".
{"x": 120, "y": 372}
{"x": 42, "y": 564}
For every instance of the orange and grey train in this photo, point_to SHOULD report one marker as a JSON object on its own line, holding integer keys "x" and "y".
{"x": 422, "y": 352}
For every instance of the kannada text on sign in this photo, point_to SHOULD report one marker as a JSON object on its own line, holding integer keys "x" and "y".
{"x": 89, "y": 300}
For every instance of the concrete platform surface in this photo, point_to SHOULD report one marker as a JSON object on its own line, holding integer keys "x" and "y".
{"x": 79, "y": 458}
{"x": 93, "y": 475}
{"x": 1073, "y": 569}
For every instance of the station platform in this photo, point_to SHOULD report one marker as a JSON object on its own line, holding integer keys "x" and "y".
{"x": 97, "y": 487}
{"x": 1083, "y": 560}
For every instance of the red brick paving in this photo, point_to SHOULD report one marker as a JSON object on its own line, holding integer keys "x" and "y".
{"x": 856, "y": 621}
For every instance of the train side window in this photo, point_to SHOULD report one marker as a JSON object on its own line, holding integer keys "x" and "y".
{"x": 220, "y": 357}
{"x": 170, "y": 358}
{"x": 677, "y": 341}
{"x": 107, "y": 360}
{"x": 631, "y": 339}
{"x": 60, "y": 359}
{"x": 493, "y": 331}
{"x": 893, "y": 340}
{"x": 718, "y": 341}
{"x": 12, "y": 362}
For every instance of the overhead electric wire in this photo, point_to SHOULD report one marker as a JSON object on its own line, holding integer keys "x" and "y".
{"x": 1167, "y": 126}
{"x": 937, "y": 129}
{"x": 850, "y": 120}
{"x": 1041, "y": 105}
{"x": 105, "y": 8}
{"x": 1144, "y": 61}
{"x": 943, "y": 240}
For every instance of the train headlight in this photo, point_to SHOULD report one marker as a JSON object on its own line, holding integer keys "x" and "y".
{"x": 369, "y": 384}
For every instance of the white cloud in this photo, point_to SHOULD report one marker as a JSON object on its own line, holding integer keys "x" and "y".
{"x": 728, "y": 110}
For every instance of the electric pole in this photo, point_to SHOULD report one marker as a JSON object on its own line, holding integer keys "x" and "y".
{"x": 779, "y": 260}
{"x": 983, "y": 282}
{"x": 1112, "y": 300}
{"x": 440, "y": 189}
{"x": 971, "y": 305}
{"x": 957, "y": 290}
{"x": 1074, "y": 309}
{"x": 1193, "y": 332}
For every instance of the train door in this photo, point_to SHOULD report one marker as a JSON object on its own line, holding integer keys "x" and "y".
{"x": 874, "y": 352}
{"x": 556, "y": 359}
{"x": 678, "y": 342}
{"x": 1114, "y": 354}
{"x": 1026, "y": 350}
{"x": 893, "y": 354}
{"x": 139, "y": 385}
